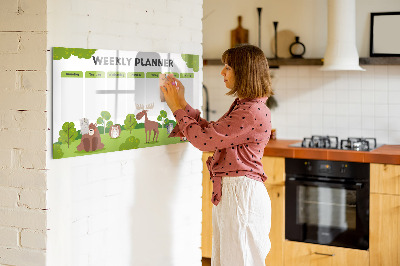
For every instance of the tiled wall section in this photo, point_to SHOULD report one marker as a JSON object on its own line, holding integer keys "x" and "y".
{"x": 342, "y": 103}
{"x": 313, "y": 102}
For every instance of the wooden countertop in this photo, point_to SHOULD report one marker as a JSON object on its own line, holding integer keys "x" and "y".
{"x": 389, "y": 154}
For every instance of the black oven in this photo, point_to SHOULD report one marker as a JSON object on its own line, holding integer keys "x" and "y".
{"x": 327, "y": 202}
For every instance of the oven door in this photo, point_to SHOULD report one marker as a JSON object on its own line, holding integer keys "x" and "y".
{"x": 327, "y": 213}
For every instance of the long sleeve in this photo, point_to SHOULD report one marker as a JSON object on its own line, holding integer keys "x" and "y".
{"x": 193, "y": 113}
{"x": 231, "y": 130}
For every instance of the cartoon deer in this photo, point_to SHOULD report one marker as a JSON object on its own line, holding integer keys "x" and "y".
{"x": 148, "y": 124}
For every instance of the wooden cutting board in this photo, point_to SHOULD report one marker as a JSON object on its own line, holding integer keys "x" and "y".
{"x": 239, "y": 35}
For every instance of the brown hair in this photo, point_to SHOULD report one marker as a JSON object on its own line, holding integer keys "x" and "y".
{"x": 250, "y": 66}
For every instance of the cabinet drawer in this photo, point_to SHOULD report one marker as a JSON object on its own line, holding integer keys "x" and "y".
{"x": 305, "y": 254}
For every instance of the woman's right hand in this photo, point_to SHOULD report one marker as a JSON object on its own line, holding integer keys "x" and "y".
{"x": 181, "y": 91}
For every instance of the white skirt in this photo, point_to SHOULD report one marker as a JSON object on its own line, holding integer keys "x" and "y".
{"x": 241, "y": 223}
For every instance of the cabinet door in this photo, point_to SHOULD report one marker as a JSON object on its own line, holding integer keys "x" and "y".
{"x": 274, "y": 168}
{"x": 305, "y": 254}
{"x": 385, "y": 178}
{"x": 277, "y": 233}
{"x": 384, "y": 229}
{"x": 206, "y": 232}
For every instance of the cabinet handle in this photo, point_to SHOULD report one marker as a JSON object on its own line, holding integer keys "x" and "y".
{"x": 325, "y": 254}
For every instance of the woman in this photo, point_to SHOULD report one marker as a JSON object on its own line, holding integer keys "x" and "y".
{"x": 242, "y": 208}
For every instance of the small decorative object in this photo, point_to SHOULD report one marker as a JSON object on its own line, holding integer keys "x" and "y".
{"x": 383, "y": 40}
{"x": 297, "y": 49}
{"x": 271, "y": 102}
{"x": 276, "y": 38}
{"x": 239, "y": 35}
{"x": 273, "y": 134}
{"x": 259, "y": 26}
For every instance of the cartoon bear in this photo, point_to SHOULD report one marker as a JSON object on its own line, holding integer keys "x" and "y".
{"x": 91, "y": 141}
{"x": 115, "y": 131}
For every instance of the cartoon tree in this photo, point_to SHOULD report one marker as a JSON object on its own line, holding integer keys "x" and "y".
{"x": 130, "y": 143}
{"x": 102, "y": 120}
{"x": 130, "y": 122}
{"x": 109, "y": 124}
{"x": 163, "y": 114}
{"x": 68, "y": 133}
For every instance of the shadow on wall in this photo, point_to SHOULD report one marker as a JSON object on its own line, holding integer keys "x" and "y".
{"x": 153, "y": 223}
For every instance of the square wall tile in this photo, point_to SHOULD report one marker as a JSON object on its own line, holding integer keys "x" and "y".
{"x": 394, "y": 137}
{"x": 380, "y": 84}
{"x": 394, "y": 97}
{"x": 394, "y": 110}
{"x": 381, "y": 110}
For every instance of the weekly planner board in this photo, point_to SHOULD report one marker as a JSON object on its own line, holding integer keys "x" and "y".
{"x": 110, "y": 100}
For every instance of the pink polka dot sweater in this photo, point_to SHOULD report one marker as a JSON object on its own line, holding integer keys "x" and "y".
{"x": 238, "y": 139}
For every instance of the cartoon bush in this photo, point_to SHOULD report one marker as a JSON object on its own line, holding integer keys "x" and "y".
{"x": 57, "y": 151}
{"x": 130, "y": 122}
{"x": 62, "y": 52}
{"x": 68, "y": 134}
{"x": 192, "y": 61}
{"x": 130, "y": 143}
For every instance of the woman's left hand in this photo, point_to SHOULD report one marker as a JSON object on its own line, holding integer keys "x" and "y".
{"x": 171, "y": 95}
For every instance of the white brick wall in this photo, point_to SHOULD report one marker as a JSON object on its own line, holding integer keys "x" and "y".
{"x": 23, "y": 129}
{"x": 137, "y": 207}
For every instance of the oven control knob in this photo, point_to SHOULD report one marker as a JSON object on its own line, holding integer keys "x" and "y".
{"x": 308, "y": 166}
{"x": 343, "y": 168}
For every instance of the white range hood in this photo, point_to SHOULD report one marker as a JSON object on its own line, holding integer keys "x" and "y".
{"x": 341, "y": 51}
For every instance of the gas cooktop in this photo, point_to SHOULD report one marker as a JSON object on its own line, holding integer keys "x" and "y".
{"x": 332, "y": 142}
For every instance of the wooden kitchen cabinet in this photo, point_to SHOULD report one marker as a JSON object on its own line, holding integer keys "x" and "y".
{"x": 277, "y": 233}
{"x": 206, "y": 225}
{"x": 385, "y": 178}
{"x": 274, "y": 168}
{"x": 384, "y": 236}
{"x": 305, "y": 254}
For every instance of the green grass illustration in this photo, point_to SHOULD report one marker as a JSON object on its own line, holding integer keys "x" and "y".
{"x": 111, "y": 145}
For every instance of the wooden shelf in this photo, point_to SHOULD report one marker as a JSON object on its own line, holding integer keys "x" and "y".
{"x": 273, "y": 63}
{"x": 380, "y": 61}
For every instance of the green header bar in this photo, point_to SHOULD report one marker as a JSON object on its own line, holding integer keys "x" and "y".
{"x": 136, "y": 75}
{"x": 187, "y": 75}
{"x": 95, "y": 74}
{"x": 176, "y": 75}
{"x": 152, "y": 75}
{"x": 116, "y": 74}
{"x": 72, "y": 74}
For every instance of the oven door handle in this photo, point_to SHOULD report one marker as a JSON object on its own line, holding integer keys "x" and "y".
{"x": 357, "y": 185}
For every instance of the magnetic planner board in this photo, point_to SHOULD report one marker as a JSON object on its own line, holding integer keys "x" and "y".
{"x": 110, "y": 100}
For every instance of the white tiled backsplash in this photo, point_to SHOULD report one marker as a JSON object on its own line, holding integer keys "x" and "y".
{"x": 339, "y": 103}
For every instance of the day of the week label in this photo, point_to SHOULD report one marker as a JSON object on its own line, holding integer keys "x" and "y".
{"x": 115, "y": 74}
{"x": 176, "y": 75}
{"x": 95, "y": 74}
{"x": 72, "y": 74}
{"x": 137, "y": 75}
{"x": 187, "y": 75}
{"x": 152, "y": 75}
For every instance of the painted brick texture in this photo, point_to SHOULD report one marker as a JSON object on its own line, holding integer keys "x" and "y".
{"x": 23, "y": 126}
